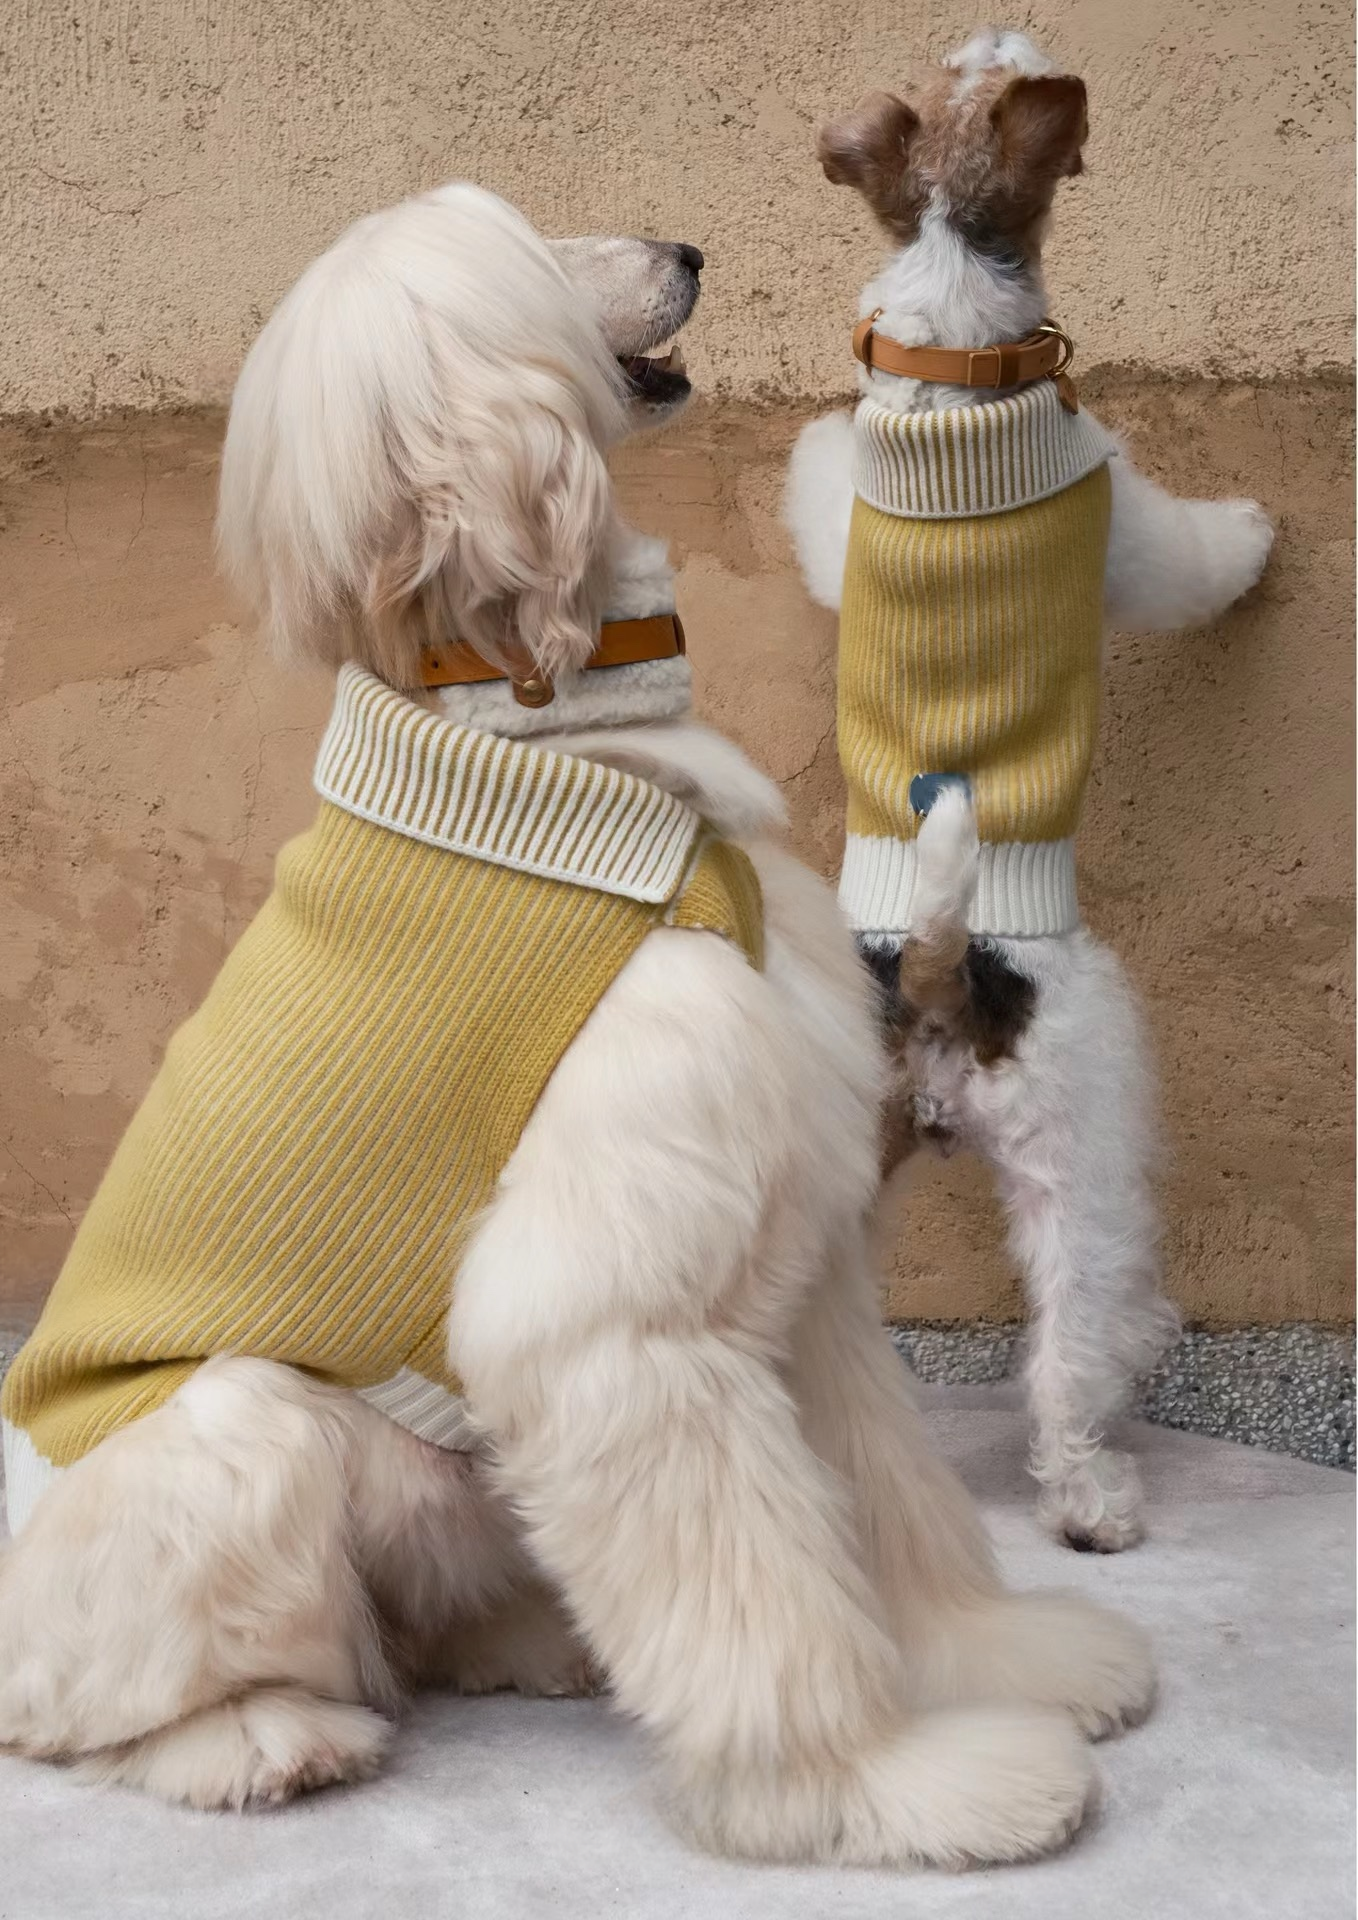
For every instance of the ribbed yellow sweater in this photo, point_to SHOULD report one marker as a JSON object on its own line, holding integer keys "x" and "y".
{"x": 303, "y": 1173}
{"x": 970, "y": 637}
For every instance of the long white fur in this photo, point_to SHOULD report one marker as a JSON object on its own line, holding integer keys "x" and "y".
{"x": 696, "y": 1429}
{"x": 391, "y": 309}
{"x": 1069, "y": 1126}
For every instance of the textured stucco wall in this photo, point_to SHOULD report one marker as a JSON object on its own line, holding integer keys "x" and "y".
{"x": 170, "y": 170}
{"x": 155, "y": 759}
{"x": 170, "y": 167}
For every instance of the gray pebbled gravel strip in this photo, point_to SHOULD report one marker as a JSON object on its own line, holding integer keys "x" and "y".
{"x": 1287, "y": 1389}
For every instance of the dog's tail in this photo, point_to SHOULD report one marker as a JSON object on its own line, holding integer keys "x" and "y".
{"x": 946, "y": 855}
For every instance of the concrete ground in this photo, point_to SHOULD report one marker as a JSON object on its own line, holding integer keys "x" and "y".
{"x": 1236, "y": 1799}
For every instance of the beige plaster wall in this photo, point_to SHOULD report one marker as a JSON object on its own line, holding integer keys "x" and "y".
{"x": 155, "y": 759}
{"x": 170, "y": 167}
{"x": 173, "y": 167}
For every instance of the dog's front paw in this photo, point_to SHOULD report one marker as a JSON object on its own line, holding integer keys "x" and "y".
{"x": 1060, "y": 1650}
{"x": 978, "y": 1787}
{"x": 1052, "y": 1650}
{"x": 1242, "y": 539}
{"x": 818, "y": 503}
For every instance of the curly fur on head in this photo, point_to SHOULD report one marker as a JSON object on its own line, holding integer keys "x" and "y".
{"x": 417, "y": 447}
{"x": 994, "y": 129}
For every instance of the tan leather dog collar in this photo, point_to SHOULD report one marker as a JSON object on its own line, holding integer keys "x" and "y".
{"x": 1044, "y": 355}
{"x": 622, "y": 643}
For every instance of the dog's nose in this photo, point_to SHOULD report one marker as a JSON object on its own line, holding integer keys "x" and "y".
{"x": 691, "y": 257}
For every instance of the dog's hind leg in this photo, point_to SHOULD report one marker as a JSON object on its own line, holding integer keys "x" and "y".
{"x": 183, "y": 1606}
{"x": 256, "y": 1751}
{"x": 442, "y": 1555}
{"x": 963, "y": 1638}
{"x": 1070, "y": 1126}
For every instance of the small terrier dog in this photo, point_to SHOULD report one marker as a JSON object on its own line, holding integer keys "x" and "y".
{"x": 990, "y": 526}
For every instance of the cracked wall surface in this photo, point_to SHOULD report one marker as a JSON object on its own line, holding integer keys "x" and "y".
{"x": 156, "y": 759}
{"x": 169, "y": 169}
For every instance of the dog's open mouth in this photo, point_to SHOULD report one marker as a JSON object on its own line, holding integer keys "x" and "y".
{"x": 657, "y": 380}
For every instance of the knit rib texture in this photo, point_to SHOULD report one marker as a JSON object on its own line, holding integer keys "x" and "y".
{"x": 301, "y": 1179}
{"x": 970, "y": 640}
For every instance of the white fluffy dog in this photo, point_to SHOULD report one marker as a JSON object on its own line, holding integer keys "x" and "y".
{"x": 682, "y": 1412}
{"x": 1026, "y": 1046}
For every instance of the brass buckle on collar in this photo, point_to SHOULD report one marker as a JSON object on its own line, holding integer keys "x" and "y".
{"x": 1050, "y": 326}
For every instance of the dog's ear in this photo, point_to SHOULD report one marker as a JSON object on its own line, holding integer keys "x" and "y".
{"x": 1042, "y": 124}
{"x": 505, "y": 534}
{"x": 416, "y": 449}
{"x": 870, "y": 149}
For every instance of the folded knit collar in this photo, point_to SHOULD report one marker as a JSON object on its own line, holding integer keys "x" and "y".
{"x": 963, "y": 461}
{"x": 503, "y": 801}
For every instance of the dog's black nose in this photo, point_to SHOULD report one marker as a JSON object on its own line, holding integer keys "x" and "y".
{"x": 691, "y": 257}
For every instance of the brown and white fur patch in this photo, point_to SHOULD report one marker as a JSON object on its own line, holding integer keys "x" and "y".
{"x": 1060, "y": 1096}
{"x": 985, "y": 139}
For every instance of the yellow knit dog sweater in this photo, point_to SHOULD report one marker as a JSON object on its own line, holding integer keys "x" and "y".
{"x": 969, "y": 643}
{"x": 301, "y": 1178}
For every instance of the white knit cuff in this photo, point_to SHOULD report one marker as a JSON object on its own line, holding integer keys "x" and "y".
{"x": 27, "y": 1476}
{"x": 425, "y": 1409}
{"x": 1022, "y": 887}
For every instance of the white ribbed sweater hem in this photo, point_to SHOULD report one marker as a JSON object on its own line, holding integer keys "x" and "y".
{"x": 28, "y": 1474}
{"x": 1022, "y": 888}
{"x": 422, "y": 1407}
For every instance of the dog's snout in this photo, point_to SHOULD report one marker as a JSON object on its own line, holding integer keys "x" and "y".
{"x": 690, "y": 257}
